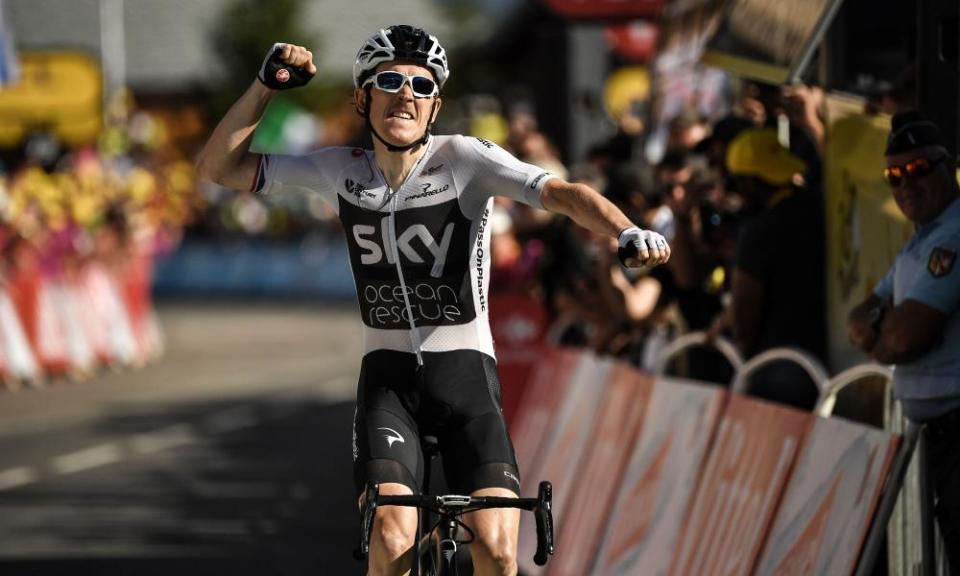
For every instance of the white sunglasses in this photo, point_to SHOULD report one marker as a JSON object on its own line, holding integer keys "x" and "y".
{"x": 392, "y": 82}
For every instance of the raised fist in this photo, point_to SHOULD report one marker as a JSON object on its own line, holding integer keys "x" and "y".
{"x": 641, "y": 248}
{"x": 286, "y": 66}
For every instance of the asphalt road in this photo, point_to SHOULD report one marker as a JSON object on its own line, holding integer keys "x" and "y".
{"x": 229, "y": 456}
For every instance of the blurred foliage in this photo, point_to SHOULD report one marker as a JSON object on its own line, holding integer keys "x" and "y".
{"x": 245, "y": 31}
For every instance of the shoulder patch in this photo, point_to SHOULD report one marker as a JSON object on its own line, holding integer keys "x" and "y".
{"x": 941, "y": 262}
{"x": 486, "y": 143}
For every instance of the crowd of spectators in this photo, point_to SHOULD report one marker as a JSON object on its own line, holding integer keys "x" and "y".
{"x": 743, "y": 213}
{"x": 79, "y": 229}
{"x": 744, "y": 216}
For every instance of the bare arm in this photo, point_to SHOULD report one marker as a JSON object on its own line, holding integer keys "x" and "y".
{"x": 585, "y": 206}
{"x": 640, "y": 299}
{"x": 589, "y": 209}
{"x": 908, "y": 331}
{"x": 225, "y": 158}
{"x": 859, "y": 325}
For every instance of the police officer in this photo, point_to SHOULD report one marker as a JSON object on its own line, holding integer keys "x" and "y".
{"x": 912, "y": 319}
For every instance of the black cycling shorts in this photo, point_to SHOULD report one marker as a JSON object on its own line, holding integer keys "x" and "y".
{"x": 454, "y": 396}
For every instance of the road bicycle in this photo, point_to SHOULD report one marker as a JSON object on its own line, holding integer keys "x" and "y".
{"x": 435, "y": 553}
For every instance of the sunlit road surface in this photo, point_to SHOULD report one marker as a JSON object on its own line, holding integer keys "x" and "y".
{"x": 231, "y": 455}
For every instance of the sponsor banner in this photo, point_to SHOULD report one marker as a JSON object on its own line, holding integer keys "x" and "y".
{"x": 826, "y": 510}
{"x": 58, "y": 92}
{"x": 317, "y": 268}
{"x": 518, "y": 324}
{"x": 624, "y": 405}
{"x": 606, "y": 9}
{"x": 563, "y": 448}
{"x": 547, "y": 387}
{"x": 865, "y": 229}
{"x": 635, "y": 41}
{"x": 664, "y": 465}
{"x": 749, "y": 463}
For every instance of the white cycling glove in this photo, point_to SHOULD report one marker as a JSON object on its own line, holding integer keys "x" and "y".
{"x": 642, "y": 248}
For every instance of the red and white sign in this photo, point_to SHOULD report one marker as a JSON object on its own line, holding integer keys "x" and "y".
{"x": 627, "y": 397}
{"x": 547, "y": 387}
{"x": 747, "y": 470}
{"x": 563, "y": 449}
{"x": 634, "y": 41}
{"x": 606, "y": 9}
{"x": 826, "y": 510}
{"x": 518, "y": 324}
{"x": 660, "y": 479}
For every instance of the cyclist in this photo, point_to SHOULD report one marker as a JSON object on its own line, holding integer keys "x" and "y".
{"x": 415, "y": 214}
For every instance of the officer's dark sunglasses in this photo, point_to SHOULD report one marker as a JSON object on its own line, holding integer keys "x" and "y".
{"x": 392, "y": 81}
{"x": 915, "y": 169}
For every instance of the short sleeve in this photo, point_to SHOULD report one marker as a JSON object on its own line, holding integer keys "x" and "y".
{"x": 884, "y": 288}
{"x": 939, "y": 285}
{"x": 305, "y": 174}
{"x": 496, "y": 172}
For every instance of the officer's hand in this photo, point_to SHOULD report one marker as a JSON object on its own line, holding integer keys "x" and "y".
{"x": 640, "y": 248}
{"x": 287, "y": 66}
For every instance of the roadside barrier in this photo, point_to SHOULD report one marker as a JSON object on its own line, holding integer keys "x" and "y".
{"x": 662, "y": 475}
{"x": 692, "y": 339}
{"x": 812, "y": 366}
{"x": 626, "y": 396}
{"x": 66, "y": 328}
{"x": 566, "y": 442}
{"x": 519, "y": 326}
{"x": 18, "y": 362}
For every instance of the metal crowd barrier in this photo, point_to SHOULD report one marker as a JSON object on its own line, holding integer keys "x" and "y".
{"x": 904, "y": 514}
{"x": 694, "y": 339}
{"x": 810, "y": 365}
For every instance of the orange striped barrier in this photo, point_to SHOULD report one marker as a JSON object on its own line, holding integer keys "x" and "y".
{"x": 625, "y": 403}
{"x": 566, "y": 442}
{"x": 740, "y": 487}
{"x": 547, "y": 387}
{"x": 666, "y": 461}
{"x": 823, "y": 520}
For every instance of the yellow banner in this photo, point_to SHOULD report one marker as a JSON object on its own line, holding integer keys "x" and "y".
{"x": 865, "y": 229}
{"x": 58, "y": 92}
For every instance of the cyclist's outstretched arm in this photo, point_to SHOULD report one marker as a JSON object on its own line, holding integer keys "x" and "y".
{"x": 590, "y": 209}
{"x": 226, "y": 158}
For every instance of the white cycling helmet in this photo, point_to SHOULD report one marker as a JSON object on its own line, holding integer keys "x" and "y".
{"x": 401, "y": 42}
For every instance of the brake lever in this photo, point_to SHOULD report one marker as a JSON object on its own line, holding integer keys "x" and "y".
{"x": 369, "y": 513}
{"x": 544, "y": 518}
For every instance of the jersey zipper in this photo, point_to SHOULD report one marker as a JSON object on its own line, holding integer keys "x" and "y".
{"x": 392, "y": 230}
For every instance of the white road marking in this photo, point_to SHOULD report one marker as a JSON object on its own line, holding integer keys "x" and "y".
{"x": 163, "y": 439}
{"x": 18, "y": 476}
{"x": 228, "y": 420}
{"x": 88, "y": 458}
{"x": 231, "y": 420}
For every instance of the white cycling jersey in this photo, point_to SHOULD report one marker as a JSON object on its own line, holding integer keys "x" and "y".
{"x": 420, "y": 254}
